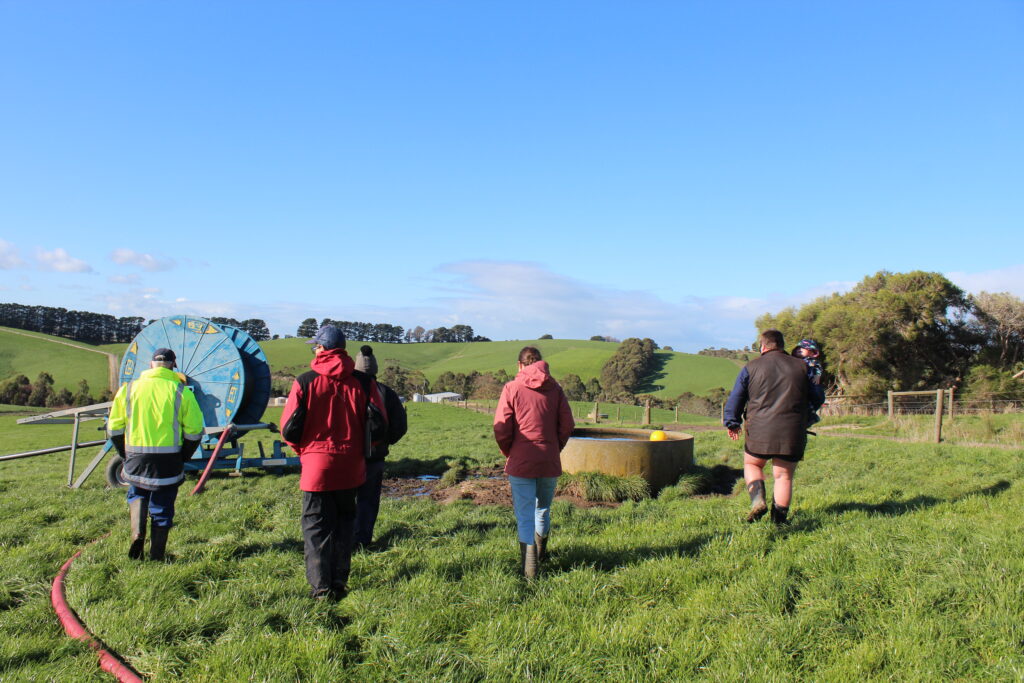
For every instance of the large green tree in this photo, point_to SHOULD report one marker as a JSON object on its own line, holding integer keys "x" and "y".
{"x": 899, "y": 331}
{"x": 1000, "y": 317}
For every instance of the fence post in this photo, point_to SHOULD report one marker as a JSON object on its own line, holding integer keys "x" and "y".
{"x": 951, "y": 404}
{"x": 939, "y": 394}
{"x": 647, "y": 412}
{"x": 891, "y": 402}
{"x": 597, "y": 412}
{"x": 677, "y": 415}
{"x": 618, "y": 413}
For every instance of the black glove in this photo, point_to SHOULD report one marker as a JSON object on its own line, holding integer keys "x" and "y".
{"x": 118, "y": 442}
{"x": 187, "y": 449}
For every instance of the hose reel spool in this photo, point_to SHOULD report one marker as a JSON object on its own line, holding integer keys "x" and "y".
{"x": 224, "y": 367}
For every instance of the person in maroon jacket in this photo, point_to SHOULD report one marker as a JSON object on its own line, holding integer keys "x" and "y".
{"x": 532, "y": 424}
{"x": 324, "y": 421}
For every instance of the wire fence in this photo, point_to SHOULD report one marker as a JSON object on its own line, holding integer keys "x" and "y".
{"x": 608, "y": 413}
{"x": 835, "y": 406}
{"x": 918, "y": 405}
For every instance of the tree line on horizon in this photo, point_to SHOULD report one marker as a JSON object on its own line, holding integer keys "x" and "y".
{"x": 92, "y": 328}
{"x": 386, "y": 333}
{"x": 892, "y": 331}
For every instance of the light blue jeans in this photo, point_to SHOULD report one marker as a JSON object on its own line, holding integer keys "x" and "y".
{"x": 531, "y": 502}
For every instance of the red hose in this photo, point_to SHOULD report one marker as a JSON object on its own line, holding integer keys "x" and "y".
{"x": 73, "y": 626}
{"x": 213, "y": 458}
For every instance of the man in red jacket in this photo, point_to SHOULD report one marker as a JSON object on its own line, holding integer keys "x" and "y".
{"x": 532, "y": 424}
{"x": 324, "y": 421}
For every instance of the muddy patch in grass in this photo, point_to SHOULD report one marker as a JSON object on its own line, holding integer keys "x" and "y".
{"x": 482, "y": 487}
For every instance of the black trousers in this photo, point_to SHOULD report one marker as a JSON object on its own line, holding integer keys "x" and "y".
{"x": 328, "y": 522}
{"x": 368, "y": 502}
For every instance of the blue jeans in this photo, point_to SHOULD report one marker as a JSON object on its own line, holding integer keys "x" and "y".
{"x": 159, "y": 502}
{"x": 531, "y": 502}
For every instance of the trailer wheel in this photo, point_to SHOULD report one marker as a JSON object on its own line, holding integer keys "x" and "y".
{"x": 115, "y": 471}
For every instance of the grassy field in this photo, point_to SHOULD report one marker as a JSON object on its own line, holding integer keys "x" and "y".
{"x": 583, "y": 358}
{"x": 987, "y": 428}
{"x": 29, "y": 353}
{"x": 893, "y": 568}
{"x": 680, "y": 372}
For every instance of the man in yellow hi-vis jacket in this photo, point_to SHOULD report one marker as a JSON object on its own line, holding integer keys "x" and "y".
{"x": 155, "y": 424}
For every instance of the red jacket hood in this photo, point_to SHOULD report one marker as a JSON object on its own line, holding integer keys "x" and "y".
{"x": 334, "y": 363}
{"x": 535, "y": 376}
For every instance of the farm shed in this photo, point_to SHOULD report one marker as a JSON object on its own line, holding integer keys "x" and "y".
{"x": 440, "y": 397}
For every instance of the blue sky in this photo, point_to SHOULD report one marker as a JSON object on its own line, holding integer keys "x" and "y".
{"x": 662, "y": 169}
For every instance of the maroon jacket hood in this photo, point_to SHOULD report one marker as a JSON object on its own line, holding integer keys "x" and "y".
{"x": 333, "y": 363}
{"x": 536, "y": 376}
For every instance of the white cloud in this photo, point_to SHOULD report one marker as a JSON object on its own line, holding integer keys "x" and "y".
{"x": 1009, "y": 279}
{"x": 525, "y": 300}
{"x": 130, "y": 279}
{"x": 9, "y": 258}
{"x": 513, "y": 300}
{"x": 61, "y": 261}
{"x": 147, "y": 262}
{"x": 148, "y": 303}
{"x": 517, "y": 300}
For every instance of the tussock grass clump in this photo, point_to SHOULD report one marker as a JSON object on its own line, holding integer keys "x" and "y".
{"x": 604, "y": 488}
{"x": 455, "y": 473}
{"x": 691, "y": 484}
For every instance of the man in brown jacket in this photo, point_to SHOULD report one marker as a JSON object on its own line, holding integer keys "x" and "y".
{"x": 776, "y": 396}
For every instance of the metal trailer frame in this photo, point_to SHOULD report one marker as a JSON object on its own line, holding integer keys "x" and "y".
{"x": 229, "y": 458}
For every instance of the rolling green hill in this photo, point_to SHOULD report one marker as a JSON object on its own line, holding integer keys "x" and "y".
{"x": 69, "y": 362}
{"x": 583, "y": 358}
{"x": 681, "y": 372}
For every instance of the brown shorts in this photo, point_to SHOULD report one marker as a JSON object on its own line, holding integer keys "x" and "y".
{"x": 788, "y": 458}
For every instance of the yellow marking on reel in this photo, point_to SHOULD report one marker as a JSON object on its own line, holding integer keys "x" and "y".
{"x": 134, "y": 348}
{"x": 176, "y": 321}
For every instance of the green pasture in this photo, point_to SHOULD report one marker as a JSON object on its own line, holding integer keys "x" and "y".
{"x": 677, "y": 372}
{"x": 682, "y": 372}
{"x": 29, "y": 353}
{"x": 974, "y": 428}
{"x": 902, "y": 563}
{"x": 583, "y": 358}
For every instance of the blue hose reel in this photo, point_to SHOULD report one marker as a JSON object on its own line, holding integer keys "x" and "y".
{"x": 225, "y": 368}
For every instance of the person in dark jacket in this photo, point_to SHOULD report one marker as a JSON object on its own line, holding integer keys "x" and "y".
{"x": 324, "y": 421}
{"x": 532, "y": 424}
{"x": 777, "y": 398}
{"x": 368, "y": 495}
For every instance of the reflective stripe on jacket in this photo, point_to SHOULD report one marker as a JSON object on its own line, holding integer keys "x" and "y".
{"x": 155, "y": 413}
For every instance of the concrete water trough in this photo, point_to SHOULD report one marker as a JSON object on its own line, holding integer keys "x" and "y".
{"x": 629, "y": 452}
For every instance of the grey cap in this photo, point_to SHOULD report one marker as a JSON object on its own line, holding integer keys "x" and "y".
{"x": 366, "y": 361}
{"x": 329, "y": 337}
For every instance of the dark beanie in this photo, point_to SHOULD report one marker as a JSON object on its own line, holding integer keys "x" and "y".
{"x": 365, "y": 361}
